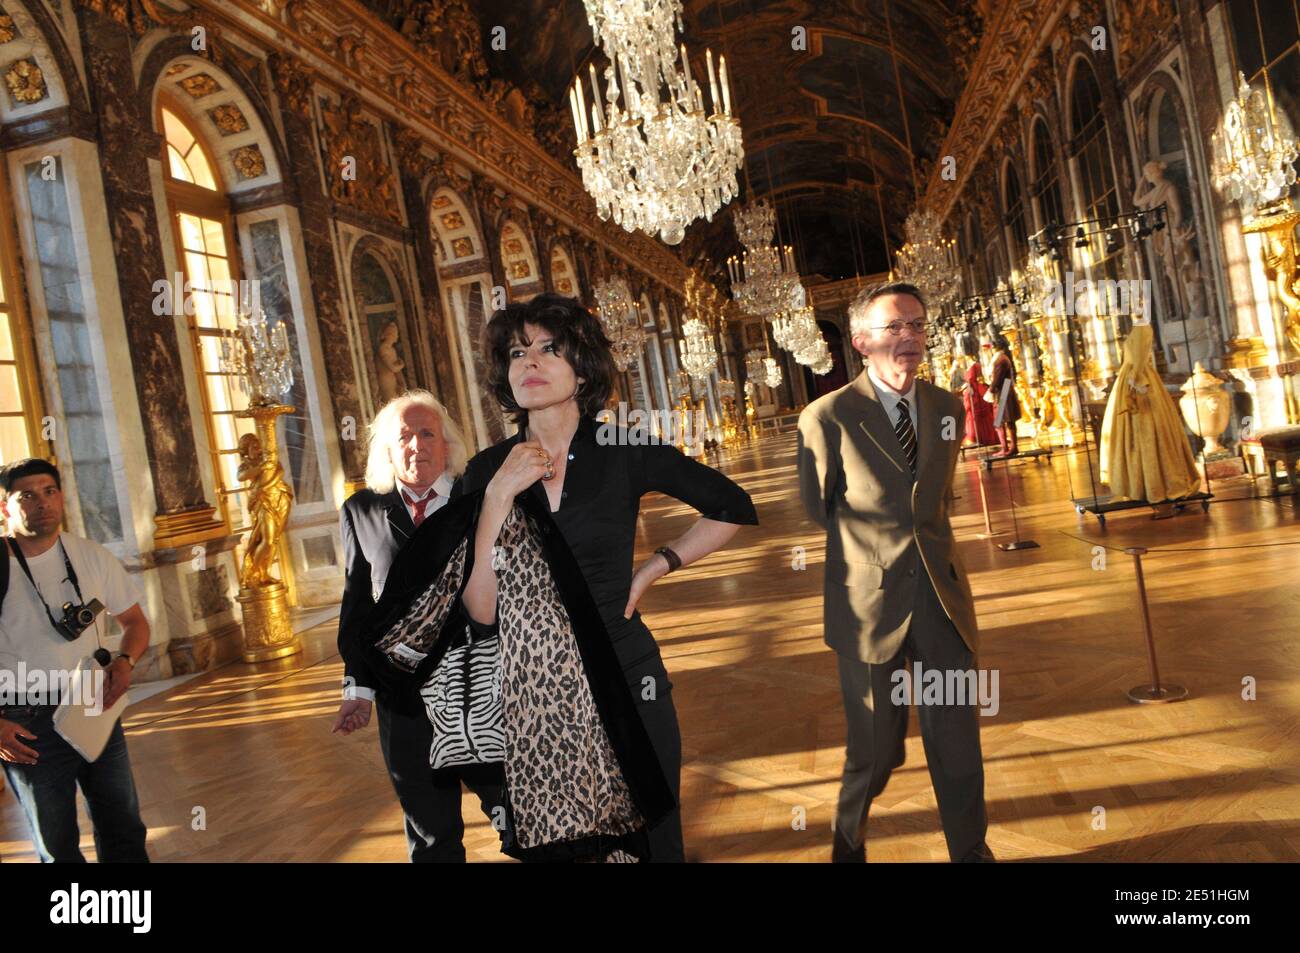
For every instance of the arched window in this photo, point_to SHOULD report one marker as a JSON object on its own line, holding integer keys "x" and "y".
{"x": 381, "y": 312}
{"x": 1046, "y": 187}
{"x": 1095, "y": 187}
{"x": 201, "y": 230}
{"x": 1017, "y": 229}
{"x": 20, "y": 402}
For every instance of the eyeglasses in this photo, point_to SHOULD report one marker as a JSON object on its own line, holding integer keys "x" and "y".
{"x": 896, "y": 327}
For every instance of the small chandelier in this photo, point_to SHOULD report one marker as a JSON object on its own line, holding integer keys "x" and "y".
{"x": 699, "y": 356}
{"x": 258, "y": 357}
{"x": 621, "y": 320}
{"x": 928, "y": 260}
{"x": 764, "y": 280}
{"x": 1254, "y": 160}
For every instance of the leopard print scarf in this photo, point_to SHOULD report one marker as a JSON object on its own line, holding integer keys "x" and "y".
{"x": 563, "y": 778}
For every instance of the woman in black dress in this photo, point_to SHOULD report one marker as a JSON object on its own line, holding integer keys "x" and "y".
{"x": 551, "y": 370}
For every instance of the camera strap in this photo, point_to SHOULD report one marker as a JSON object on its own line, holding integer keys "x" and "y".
{"x": 67, "y": 564}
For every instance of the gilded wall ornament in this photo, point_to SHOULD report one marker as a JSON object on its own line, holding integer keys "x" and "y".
{"x": 7, "y": 28}
{"x": 228, "y": 119}
{"x": 463, "y": 248}
{"x": 453, "y": 221}
{"x": 293, "y": 82}
{"x": 358, "y": 173}
{"x": 249, "y": 162}
{"x": 199, "y": 85}
{"x": 26, "y": 82}
{"x": 520, "y": 270}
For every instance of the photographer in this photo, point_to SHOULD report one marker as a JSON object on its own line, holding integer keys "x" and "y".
{"x": 51, "y": 576}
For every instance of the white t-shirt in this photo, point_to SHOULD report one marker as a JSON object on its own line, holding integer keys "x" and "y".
{"x": 25, "y": 632}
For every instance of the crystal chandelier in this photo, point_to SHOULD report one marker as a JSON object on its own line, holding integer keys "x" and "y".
{"x": 656, "y": 161}
{"x": 621, "y": 320}
{"x": 928, "y": 260}
{"x": 796, "y": 329}
{"x": 762, "y": 369}
{"x": 699, "y": 356}
{"x": 764, "y": 279}
{"x": 1254, "y": 159}
{"x": 257, "y": 356}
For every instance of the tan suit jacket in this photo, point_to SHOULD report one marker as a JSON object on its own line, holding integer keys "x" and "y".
{"x": 882, "y": 529}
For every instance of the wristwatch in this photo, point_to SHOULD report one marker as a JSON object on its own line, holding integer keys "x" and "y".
{"x": 129, "y": 661}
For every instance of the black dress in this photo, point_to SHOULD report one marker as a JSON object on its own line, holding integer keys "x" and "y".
{"x": 605, "y": 478}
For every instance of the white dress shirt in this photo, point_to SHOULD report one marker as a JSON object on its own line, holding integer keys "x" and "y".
{"x": 889, "y": 399}
{"x": 441, "y": 487}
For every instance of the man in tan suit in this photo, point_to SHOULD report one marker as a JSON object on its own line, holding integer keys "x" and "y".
{"x": 876, "y": 464}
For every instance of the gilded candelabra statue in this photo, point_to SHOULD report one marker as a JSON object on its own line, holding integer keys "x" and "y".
{"x": 258, "y": 357}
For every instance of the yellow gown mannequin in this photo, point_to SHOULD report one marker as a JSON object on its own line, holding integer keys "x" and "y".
{"x": 1145, "y": 454}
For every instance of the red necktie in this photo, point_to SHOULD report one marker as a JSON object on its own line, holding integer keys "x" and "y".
{"x": 418, "y": 516}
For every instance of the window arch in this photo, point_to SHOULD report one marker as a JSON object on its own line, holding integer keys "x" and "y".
{"x": 564, "y": 277}
{"x": 523, "y": 278}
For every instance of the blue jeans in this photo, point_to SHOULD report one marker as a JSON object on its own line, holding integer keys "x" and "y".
{"x": 47, "y": 792}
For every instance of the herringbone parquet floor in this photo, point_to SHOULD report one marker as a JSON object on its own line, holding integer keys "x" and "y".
{"x": 240, "y": 764}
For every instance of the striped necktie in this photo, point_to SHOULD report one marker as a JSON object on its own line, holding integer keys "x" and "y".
{"x": 906, "y": 433}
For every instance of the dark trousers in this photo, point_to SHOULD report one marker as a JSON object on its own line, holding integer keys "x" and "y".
{"x": 47, "y": 792}
{"x": 877, "y": 730}
{"x": 431, "y": 800}
{"x": 659, "y": 716}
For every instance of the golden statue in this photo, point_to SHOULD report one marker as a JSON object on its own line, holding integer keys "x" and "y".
{"x": 269, "y": 499}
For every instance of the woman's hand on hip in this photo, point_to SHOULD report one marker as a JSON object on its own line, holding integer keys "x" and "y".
{"x": 643, "y": 579}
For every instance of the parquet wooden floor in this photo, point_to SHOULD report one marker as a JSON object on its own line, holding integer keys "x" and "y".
{"x": 247, "y": 750}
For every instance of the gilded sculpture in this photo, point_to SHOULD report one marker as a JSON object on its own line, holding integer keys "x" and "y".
{"x": 358, "y": 173}
{"x": 269, "y": 499}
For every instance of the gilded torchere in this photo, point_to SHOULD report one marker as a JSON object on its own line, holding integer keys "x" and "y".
{"x": 259, "y": 358}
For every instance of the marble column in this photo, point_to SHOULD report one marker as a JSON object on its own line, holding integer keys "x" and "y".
{"x": 183, "y": 516}
{"x": 293, "y": 82}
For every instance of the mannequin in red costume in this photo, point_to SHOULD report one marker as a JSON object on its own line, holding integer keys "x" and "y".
{"x": 979, "y": 412}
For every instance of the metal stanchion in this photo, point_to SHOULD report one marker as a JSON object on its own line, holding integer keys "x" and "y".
{"x": 989, "y": 531}
{"x": 1155, "y": 692}
{"x": 1017, "y": 543}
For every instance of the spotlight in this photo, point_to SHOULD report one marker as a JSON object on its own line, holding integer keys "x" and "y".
{"x": 1080, "y": 238}
{"x": 1112, "y": 240}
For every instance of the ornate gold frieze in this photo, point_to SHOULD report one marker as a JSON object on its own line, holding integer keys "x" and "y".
{"x": 249, "y": 161}
{"x": 26, "y": 82}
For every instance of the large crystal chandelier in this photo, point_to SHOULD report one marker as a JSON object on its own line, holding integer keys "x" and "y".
{"x": 928, "y": 260}
{"x": 621, "y": 320}
{"x": 764, "y": 278}
{"x": 1253, "y": 158}
{"x": 650, "y": 155}
{"x": 761, "y": 369}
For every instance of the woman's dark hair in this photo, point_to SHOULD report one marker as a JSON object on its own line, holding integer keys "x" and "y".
{"x": 578, "y": 338}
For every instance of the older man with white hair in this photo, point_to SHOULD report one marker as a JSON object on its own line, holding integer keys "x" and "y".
{"x": 415, "y": 454}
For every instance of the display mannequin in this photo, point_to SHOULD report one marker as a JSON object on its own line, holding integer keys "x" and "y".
{"x": 1145, "y": 454}
{"x": 979, "y": 412}
{"x": 1004, "y": 369}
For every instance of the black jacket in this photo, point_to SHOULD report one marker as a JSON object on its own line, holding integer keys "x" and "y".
{"x": 419, "y": 564}
{"x": 374, "y": 527}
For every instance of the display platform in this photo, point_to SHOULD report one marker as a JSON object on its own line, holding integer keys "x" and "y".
{"x": 1101, "y": 505}
{"x": 1036, "y": 455}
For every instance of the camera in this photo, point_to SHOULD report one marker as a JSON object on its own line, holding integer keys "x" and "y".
{"x": 77, "y": 618}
